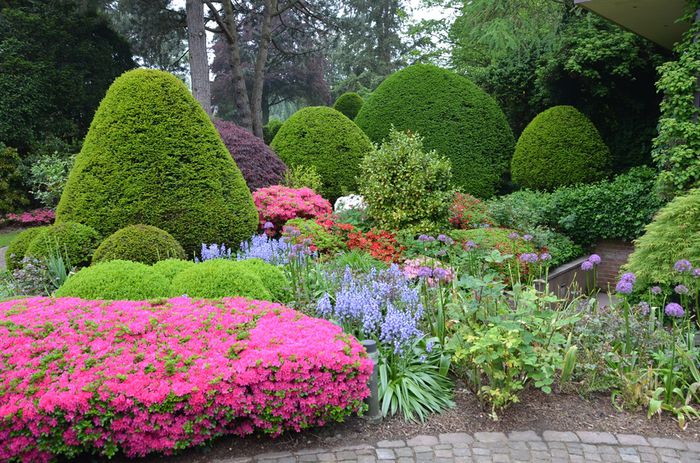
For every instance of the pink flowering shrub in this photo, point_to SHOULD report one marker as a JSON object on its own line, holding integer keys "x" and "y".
{"x": 99, "y": 377}
{"x": 278, "y": 204}
{"x": 29, "y": 218}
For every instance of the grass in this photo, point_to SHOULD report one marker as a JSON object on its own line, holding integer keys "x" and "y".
{"x": 6, "y": 237}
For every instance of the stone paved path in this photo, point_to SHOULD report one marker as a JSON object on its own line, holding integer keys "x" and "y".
{"x": 551, "y": 446}
{"x": 2, "y": 257}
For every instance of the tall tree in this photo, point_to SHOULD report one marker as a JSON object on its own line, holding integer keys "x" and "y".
{"x": 199, "y": 59}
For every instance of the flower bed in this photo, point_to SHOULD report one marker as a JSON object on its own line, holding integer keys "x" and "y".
{"x": 91, "y": 376}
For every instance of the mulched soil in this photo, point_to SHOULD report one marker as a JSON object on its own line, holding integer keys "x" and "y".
{"x": 536, "y": 411}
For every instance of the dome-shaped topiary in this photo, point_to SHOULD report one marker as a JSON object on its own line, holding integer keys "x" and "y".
{"x": 218, "y": 278}
{"x": 349, "y": 104}
{"x": 116, "y": 280}
{"x": 18, "y": 247}
{"x": 272, "y": 277}
{"x": 454, "y": 116}
{"x": 152, "y": 156}
{"x": 259, "y": 165}
{"x": 169, "y": 268}
{"x": 323, "y": 137}
{"x": 74, "y": 241}
{"x": 559, "y": 147}
{"x": 139, "y": 243}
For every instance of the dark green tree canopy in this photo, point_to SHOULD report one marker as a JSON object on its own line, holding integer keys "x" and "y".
{"x": 454, "y": 116}
{"x": 152, "y": 156}
{"x": 349, "y": 104}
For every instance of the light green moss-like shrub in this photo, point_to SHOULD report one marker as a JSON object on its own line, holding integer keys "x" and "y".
{"x": 18, "y": 247}
{"x": 116, "y": 280}
{"x": 457, "y": 119}
{"x": 349, "y": 104}
{"x": 152, "y": 156}
{"x": 74, "y": 241}
{"x": 169, "y": 268}
{"x": 559, "y": 147}
{"x": 272, "y": 277}
{"x": 322, "y": 137}
{"x": 218, "y": 278}
{"x": 139, "y": 243}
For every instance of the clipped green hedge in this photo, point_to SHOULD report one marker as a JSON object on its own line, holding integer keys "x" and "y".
{"x": 322, "y": 137}
{"x": 74, "y": 241}
{"x": 220, "y": 278}
{"x": 116, "y": 280}
{"x": 139, "y": 243}
{"x": 559, "y": 147}
{"x": 18, "y": 247}
{"x": 455, "y": 117}
{"x": 152, "y": 156}
{"x": 349, "y": 104}
{"x": 272, "y": 277}
{"x": 169, "y": 268}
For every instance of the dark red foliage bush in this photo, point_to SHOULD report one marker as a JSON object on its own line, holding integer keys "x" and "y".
{"x": 260, "y": 166}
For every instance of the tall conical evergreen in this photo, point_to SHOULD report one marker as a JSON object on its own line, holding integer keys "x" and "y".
{"x": 152, "y": 156}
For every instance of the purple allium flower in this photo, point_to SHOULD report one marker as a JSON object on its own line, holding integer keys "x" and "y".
{"x": 696, "y": 272}
{"x": 629, "y": 276}
{"x": 674, "y": 310}
{"x": 426, "y": 238}
{"x": 682, "y": 265}
{"x": 527, "y": 237}
{"x": 469, "y": 245}
{"x": 545, "y": 256}
{"x": 594, "y": 259}
{"x": 442, "y": 237}
{"x": 624, "y": 287}
{"x": 268, "y": 225}
{"x": 440, "y": 273}
{"x": 586, "y": 265}
{"x": 681, "y": 289}
{"x": 644, "y": 308}
{"x": 656, "y": 290}
{"x": 528, "y": 258}
{"x": 292, "y": 231}
{"x": 425, "y": 272}
{"x": 514, "y": 236}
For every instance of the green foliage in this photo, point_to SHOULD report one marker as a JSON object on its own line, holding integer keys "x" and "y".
{"x": 673, "y": 235}
{"x": 562, "y": 248}
{"x": 273, "y": 278}
{"x": 153, "y": 156}
{"x": 456, "y": 117}
{"x": 139, "y": 243}
{"x": 324, "y": 138}
{"x": 349, "y": 104}
{"x": 169, "y": 268}
{"x": 312, "y": 234}
{"x": 405, "y": 186}
{"x": 522, "y": 210}
{"x": 301, "y": 176}
{"x": 357, "y": 260}
{"x": 48, "y": 174}
{"x": 559, "y": 147}
{"x": 270, "y": 130}
{"x": 220, "y": 278}
{"x": 116, "y": 280}
{"x": 494, "y": 238}
{"x": 73, "y": 241}
{"x": 12, "y": 196}
{"x": 17, "y": 249}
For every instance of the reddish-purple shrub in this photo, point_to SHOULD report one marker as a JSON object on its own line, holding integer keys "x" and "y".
{"x": 260, "y": 166}
{"x": 100, "y": 377}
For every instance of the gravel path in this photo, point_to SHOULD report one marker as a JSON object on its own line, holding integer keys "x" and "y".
{"x": 2, "y": 258}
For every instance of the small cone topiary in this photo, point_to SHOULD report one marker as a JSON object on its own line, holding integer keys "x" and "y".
{"x": 152, "y": 156}
{"x": 349, "y": 104}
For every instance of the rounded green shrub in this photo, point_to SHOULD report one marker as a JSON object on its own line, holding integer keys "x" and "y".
{"x": 456, "y": 118}
{"x": 74, "y": 241}
{"x": 139, "y": 243}
{"x": 169, "y": 268}
{"x": 673, "y": 235}
{"x": 559, "y": 147}
{"x": 152, "y": 156}
{"x": 272, "y": 277}
{"x": 349, "y": 104}
{"x": 322, "y": 137}
{"x": 270, "y": 130}
{"x": 116, "y": 280}
{"x": 220, "y": 278}
{"x": 18, "y": 247}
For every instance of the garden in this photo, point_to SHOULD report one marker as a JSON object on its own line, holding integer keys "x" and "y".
{"x": 180, "y": 285}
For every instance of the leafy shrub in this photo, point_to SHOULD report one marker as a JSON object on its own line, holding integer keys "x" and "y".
{"x": 559, "y": 147}
{"x": 116, "y": 280}
{"x": 278, "y": 204}
{"x": 315, "y": 236}
{"x": 217, "y": 278}
{"x": 270, "y": 130}
{"x": 139, "y": 243}
{"x": 301, "y": 176}
{"x": 29, "y": 218}
{"x": 272, "y": 277}
{"x": 457, "y": 119}
{"x": 31, "y": 278}
{"x": 561, "y": 248}
{"x": 405, "y": 186}
{"x": 349, "y": 104}
{"x": 324, "y": 138}
{"x": 673, "y": 235}
{"x": 171, "y": 267}
{"x": 152, "y": 156}
{"x": 48, "y": 175}
{"x": 357, "y": 260}
{"x": 318, "y": 373}
{"x": 468, "y": 212}
{"x": 73, "y": 241}
{"x": 260, "y": 166}
{"x": 12, "y": 196}
{"x": 17, "y": 249}
{"x": 522, "y": 210}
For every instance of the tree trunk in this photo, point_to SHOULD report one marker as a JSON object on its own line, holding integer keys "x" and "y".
{"x": 199, "y": 60}
{"x": 240, "y": 90}
{"x": 269, "y": 8}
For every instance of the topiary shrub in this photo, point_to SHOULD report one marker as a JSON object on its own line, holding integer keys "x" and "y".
{"x": 169, "y": 268}
{"x": 349, "y": 104}
{"x": 152, "y": 156}
{"x": 116, "y": 280}
{"x": 672, "y": 236}
{"x": 218, "y": 278}
{"x": 139, "y": 243}
{"x": 559, "y": 147}
{"x": 270, "y": 130}
{"x": 272, "y": 277}
{"x": 457, "y": 119}
{"x": 74, "y": 241}
{"x": 323, "y": 137}
{"x": 18, "y": 247}
{"x": 260, "y": 166}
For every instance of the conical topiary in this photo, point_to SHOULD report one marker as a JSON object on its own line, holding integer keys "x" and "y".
{"x": 152, "y": 156}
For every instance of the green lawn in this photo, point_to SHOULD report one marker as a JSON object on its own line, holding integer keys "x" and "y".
{"x": 6, "y": 237}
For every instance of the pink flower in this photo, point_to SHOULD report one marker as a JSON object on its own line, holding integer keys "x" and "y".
{"x": 277, "y": 204}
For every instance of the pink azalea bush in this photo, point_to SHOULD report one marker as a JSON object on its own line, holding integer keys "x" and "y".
{"x": 278, "y": 204}
{"x": 29, "y": 218}
{"x": 99, "y": 377}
